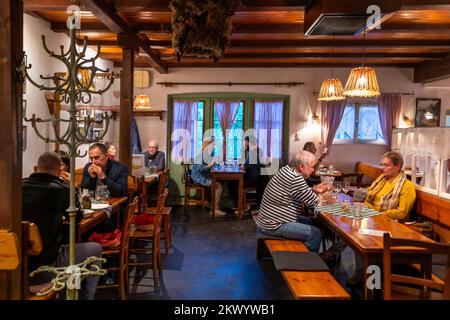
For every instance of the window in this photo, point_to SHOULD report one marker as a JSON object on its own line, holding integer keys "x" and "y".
{"x": 187, "y": 116}
{"x": 268, "y": 125}
{"x": 234, "y": 138}
{"x": 360, "y": 124}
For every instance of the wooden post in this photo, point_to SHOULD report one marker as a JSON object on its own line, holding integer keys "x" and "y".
{"x": 11, "y": 52}
{"x": 126, "y": 105}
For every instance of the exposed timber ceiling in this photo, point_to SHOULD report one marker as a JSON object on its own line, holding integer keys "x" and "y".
{"x": 266, "y": 33}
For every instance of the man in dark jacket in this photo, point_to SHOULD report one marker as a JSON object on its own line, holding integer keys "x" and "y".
{"x": 102, "y": 170}
{"x": 45, "y": 200}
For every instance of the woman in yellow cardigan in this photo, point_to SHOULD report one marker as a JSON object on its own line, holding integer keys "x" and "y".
{"x": 392, "y": 193}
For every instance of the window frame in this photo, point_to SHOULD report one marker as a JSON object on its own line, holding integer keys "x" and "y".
{"x": 357, "y": 105}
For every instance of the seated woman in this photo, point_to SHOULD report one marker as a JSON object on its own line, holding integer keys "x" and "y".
{"x": 391, "y": 193}
{"x": 201, "y": 171}
{"x": 111, "y": 150}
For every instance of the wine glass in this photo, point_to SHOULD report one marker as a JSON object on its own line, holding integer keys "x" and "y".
{"x": 346, "y": 186}
{"x": 337, "y": 186}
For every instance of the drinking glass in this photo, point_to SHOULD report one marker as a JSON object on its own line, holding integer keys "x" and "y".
{"x": 337, "y": 186}
{"x": 346, "y": 186}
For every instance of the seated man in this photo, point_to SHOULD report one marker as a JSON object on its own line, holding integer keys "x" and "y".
{"x": 44, "y": 202}
{"x": 252, "y": 176}
{"x": 279, "y": 214}
{"x": 313, "y": 179}
{"x": 157, "y": 157}
{"x": 391, "y": 193}
{"x": 102, "y": 170}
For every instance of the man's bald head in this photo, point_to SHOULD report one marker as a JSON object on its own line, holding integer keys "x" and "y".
{"x": 50, "y": 163}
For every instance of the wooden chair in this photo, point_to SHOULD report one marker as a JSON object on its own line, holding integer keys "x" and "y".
{"x": 189, "y": 185}
{"x": 32, "y": 246}
{"x": 167, "y": 211}
{"x": 78, "y": 176}
{"x": 121, "y": 252}
{"x": 358, "y": 178}
{"x": 391, "y": 286}
{"x": 153, "y": 235}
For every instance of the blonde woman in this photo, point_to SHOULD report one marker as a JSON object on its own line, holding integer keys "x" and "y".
{"x": 201, "y": 171}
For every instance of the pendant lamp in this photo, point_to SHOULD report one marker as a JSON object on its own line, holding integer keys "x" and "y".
{"x": 331, "y": 89}
{"x": 362, "y": 81}
{"x": 142, "y": 101}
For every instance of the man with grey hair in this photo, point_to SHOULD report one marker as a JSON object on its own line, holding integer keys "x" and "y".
{"x": 280, "y": 212}
{"x": 157, "y": 157}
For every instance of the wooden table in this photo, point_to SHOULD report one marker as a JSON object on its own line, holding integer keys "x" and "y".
{"x": 229, "y": 173}
{"x": 98, "y": 216}
{"x": 370, "y": 248}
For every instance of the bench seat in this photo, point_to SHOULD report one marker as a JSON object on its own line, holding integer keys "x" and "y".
{"x": 306, "y": 285}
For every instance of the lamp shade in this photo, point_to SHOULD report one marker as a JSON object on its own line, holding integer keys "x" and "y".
{"x": 142, "y": 101}
{"x": 331, "y": 90}
{"x": 362, "y": 82}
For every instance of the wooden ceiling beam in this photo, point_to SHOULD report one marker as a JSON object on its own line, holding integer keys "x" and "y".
{"x": 423, "y": 5}
{"x": 430, "y": 56}
{"x": 432, "y": 70}
{"x": 323, "y": 43}
{"x": 116, "y": 24}
{"x": 159, "y": 28}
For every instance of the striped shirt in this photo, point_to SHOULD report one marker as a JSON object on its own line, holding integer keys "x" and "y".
{"x": 282, "y": 198}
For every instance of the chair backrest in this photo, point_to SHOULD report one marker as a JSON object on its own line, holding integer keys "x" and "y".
{"x": 186, "y": 177}
{"x": 163, "y": 177}
{"x": 126, "y": 230}
{"x": 393, "y": 245}
{"x": 158, "y": 217}
{"x": 31, "y": 246}
{"x": 78, "y": 176}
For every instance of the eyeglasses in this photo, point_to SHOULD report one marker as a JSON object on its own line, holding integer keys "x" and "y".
{"x": 386, "y": 165}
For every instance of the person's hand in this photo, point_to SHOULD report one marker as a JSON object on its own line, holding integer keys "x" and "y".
{"x": 92, "y": 171}
{"x": 65, "y": 176}
{"x": 322, "y": 187}
{"x": 96, "y": 171}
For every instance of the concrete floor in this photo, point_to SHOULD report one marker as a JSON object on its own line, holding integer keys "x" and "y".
{"x": 216, "y": 259}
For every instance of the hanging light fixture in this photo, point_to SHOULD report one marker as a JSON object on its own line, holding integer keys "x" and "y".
{"x": 362, "y": 81}
{"x": 331, "y": 89}
{"x": 141, "y": 101}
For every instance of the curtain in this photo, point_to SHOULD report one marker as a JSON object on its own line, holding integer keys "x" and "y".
{"x": 226, "y": 113}
{"x": 268, "y": 125}
{"x": 389, "y": 105}
{"x": 184, "y": 133}
{"x": 135, "y": 139}
{"x": 332, "y": 112}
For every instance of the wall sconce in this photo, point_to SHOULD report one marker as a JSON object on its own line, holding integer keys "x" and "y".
{"x": 407, "y": 121}
{"x": 315, "y": 118}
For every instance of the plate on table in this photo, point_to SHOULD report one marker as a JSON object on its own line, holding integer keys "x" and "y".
{"x": 99, "y": 206}
{"x": 87, "y": 212}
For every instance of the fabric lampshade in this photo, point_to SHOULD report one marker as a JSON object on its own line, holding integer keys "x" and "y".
{"x": 362, "y": 82}
{"x": 142, "y": 101}
{"x": 331, "y": 90}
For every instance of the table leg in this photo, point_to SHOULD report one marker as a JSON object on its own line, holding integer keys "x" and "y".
{"x": 213, "y": 197}
{"x": 365, "y": 259}
{"x": 240, "y": 197}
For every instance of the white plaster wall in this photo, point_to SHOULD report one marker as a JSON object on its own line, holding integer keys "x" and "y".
{"x": 302, "y": 101}
{"x": 42, "y": 64}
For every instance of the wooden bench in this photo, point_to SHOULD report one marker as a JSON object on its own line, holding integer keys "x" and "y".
{"x": 368, "y": 170}
{"x": 304, "y": 285}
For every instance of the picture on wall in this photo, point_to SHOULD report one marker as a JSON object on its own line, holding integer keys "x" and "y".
{"x": 428, "y": 112}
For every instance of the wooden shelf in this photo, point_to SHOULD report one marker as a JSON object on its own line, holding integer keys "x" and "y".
{"x": 144, "y": 113}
